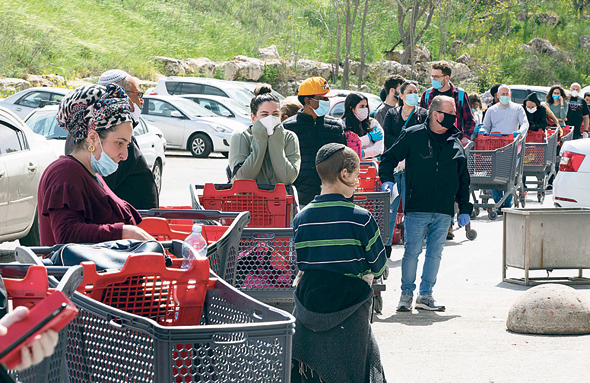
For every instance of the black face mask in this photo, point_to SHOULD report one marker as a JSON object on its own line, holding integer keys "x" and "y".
{"x": 449, "y": 120}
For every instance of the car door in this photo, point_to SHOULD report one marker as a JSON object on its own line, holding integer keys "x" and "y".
{"x": 30, "y": 102}
{"x": 23, "y": 174}
{"x": 159, "y": 113}
{"x": 146, "y": 142}
{"x": 3, "y": 192}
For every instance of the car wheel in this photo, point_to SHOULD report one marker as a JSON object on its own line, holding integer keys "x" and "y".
{"x": 200, "y": 145}
{"x": 157, "y": 173}
{"x": 33, "y": 238}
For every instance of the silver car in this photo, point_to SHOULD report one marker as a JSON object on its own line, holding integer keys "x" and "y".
{"x": 24, "y": 156}
{"x": 176, "y": 86}
{"x": 23, "y": 103}
{"x": 222, "y": 106}
{"x": 186, "y": 125}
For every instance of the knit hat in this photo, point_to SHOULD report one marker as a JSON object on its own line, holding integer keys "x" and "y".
{"x": 327, "y": 150}
{"x": 112, "y": 76}
{"x": 313, "y": 86}
{"x": 93, "y": 107}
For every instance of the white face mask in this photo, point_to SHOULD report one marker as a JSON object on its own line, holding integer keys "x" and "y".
{"x": 532, "y": 110}
{"x": 362, "y": 114}
{"x": 136, "y": 111}
{"x": 574, "y": 93}
{"x": 269, "y": 123}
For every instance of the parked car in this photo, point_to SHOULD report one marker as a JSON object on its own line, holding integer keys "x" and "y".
{"x": 23, "y": 103}
{"x": 571, "y": 187}
{"x": 222, "y": 106}
{"x": 337, "y": 98}
{"x": 520, "y": 92}
{"x": 187, "y": 125}
{"x": 150, "y": 139}
{"x": 24, "y": 156}
{"x": 250, "y": 86}
{"x": 175, "y": 86}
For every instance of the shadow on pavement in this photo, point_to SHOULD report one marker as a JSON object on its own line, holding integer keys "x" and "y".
{"x": 416, "y": 318}
{"x": 6, "y": 256}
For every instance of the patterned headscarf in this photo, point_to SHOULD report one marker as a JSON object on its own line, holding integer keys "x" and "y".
{"x": 93, "y": 107}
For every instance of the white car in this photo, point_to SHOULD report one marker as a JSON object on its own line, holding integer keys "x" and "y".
{"x": 201, "y": 85}
{"x": 186, "y": 125}
{"x": 24, "y": 156}
{"x": 150, "y": 139}
{"x": 251, "y": 86}
{"x": 222, "y": 106}
{"x": 23, "y": 103}
{"x": 571, "y": 187}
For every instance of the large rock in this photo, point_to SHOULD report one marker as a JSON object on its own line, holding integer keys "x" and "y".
{"x": 525, "y": 48}
{"x": 394, "y": 55}
{"x": 78, "y": 82}
{"x": 382, "y": 69}
{"x": 456, "y": 46}
{"x": 545, "y": 18}
{"x": 422, "y": 54}
{"x": 585, "y": 42}
{"x": 466, "y": 59}
{"x": 13, "y": 85}
{"x": 55, "y": 79}
{"x": 542, "y": 46}
{"x": 461, "y": 72}
{"x": 173, "y": 67}
{"x": 550, "y": 309}
{"x": 269, "y": 53}
{"x": 309, "y": 68}
{"x": 36, "y": 80}
{"x": 202, "y": 67}
{"x": 522, "y": 15}
{"x": 243, "y": 68}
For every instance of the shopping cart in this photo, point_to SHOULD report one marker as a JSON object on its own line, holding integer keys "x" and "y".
{"x": 495, "y": 163}
{"x": 369, "y": 177}
{"x": 539, "y": 160}
{"x": 235, "y": 339}
{"x": 27, "y": 285}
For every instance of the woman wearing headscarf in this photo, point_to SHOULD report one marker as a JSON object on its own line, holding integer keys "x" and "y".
{"x": 535, "y": 113}
{"x": 75, "y": 203}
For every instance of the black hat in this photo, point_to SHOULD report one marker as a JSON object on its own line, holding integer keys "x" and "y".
{"x": 494, "y": 89}
{"x": 327, "y": 150}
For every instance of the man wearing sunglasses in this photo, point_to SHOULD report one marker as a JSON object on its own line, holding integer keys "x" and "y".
{"x": 133, "y": 181}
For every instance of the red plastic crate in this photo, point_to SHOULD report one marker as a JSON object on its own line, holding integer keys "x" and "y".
{"x": 268, "y": 208}
{"x": 367, "y": 179}
{"x": 492, "y": 142}
{"x": 30, "y": 290}
{"x": 163, "y": 230}
{"x": 147, "y": 288}
{"x": 535, "y": 137}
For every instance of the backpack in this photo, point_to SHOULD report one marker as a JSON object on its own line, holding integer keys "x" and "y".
{"x": 430, "y": 90}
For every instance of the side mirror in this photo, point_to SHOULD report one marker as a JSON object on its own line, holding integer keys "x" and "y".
{"x": 226, "y": 113}
{"x": 176, "y": 114}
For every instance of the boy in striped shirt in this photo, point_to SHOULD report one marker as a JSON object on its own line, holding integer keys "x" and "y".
{"x": 339, "y": 252}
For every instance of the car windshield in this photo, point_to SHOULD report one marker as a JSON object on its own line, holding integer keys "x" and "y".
{"x": 192, "y": 108}
{"x": 242, "y": 96}
{"x": 44, "y": 122}
{"x": 238, "y": 107}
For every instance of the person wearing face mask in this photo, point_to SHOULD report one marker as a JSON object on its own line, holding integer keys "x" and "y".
{"x": 364, "y": 131}
{"x": 557, "y": 100}
{"x": 314, "y": 128}
{"x": 265, "y": 152}
{"x": 437, "y": 176}
{"x": 535, "y": 113}
{"x": 442, "y": 86}
{"x": 392, "y": 87}
{"x": 133, "y": 181}
{"x": 75, "y": 203}
{"x": 577, "y": 113}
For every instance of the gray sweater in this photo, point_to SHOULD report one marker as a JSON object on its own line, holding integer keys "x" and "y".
{"x": 505, "y": 119}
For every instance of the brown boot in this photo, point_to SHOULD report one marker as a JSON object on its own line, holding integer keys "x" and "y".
{"x": 450, "y": 234}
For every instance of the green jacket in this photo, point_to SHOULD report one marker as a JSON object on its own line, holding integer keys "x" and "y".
{"x": 255, "y": 155}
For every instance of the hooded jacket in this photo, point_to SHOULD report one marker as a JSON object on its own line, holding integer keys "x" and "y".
{"x": 312, "y": 135}
{"x": 537, "y": 120}
{"x": 436, "y": 177}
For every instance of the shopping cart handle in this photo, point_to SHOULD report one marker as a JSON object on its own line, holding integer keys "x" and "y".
{"x": 191, "y": 214}
{"x": 14, "y": 270}
{"x": 229, "y": 186}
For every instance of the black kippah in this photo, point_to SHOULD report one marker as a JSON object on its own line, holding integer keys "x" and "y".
{"x": 327, "y": 150}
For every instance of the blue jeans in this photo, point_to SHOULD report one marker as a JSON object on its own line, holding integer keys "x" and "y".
{"x": 400, "y": 181}
{"x": 433, "y": 227}
{"x": 497, "y": 196}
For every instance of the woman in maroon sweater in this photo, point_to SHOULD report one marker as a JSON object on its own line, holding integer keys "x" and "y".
{"x": 75, "y": 204}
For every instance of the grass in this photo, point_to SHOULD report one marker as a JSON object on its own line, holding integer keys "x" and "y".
{"x": 79, "y": 38}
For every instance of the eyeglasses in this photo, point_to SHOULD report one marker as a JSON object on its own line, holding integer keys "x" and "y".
{"x": 139, "y": 94}
{"x": 437, "y": 77}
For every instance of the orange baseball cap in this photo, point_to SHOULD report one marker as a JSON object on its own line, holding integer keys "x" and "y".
{"x": 313, "y": 86}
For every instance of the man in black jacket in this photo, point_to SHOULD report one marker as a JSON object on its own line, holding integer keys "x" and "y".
{"x": 436, "y": 177}
{"x": 313, "y": 129}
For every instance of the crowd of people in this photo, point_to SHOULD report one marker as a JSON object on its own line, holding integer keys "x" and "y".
{"x": 92, "y": 193}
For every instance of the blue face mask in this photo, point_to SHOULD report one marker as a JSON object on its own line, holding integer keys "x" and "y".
{"x": 323, "y": 108}
{"x": 436, "y": 84}
{"x": 555, "y": 97}
{"x": 104, "y": 166}
{"x": 412, "y": 99}
{"x": 504, "y": 100}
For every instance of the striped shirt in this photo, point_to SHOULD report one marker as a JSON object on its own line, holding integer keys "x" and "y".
{"x": 333, "y": 234}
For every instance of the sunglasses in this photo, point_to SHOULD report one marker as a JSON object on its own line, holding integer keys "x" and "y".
{"x": 139, "y": 94}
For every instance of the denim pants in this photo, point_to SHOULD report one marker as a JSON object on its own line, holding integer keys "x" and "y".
{"x": 497, "y": 196}
{"x": 400, "y": 181}
{"x": 433, "y": 227}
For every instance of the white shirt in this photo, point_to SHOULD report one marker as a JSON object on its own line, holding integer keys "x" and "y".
{"x": 505, "y": 119}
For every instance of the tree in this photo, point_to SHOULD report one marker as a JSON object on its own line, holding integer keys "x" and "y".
{"x": 350, "y": 11}
{"x": 414, "y": 10}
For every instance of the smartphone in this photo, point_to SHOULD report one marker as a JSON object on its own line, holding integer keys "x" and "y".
{"x": 53, "y": 312}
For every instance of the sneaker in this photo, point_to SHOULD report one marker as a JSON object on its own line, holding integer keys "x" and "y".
{"x": 427, "y": 302}
{"x": 405, "y": 303}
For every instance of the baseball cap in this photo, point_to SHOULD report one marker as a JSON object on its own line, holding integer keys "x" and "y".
{"x": 313, "y": 86}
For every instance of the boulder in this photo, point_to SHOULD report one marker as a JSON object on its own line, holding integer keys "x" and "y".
{"x": 456, "y": 46}
{"x": 364, "y": 88}
{"x": 585, "y": 42}
{"x": 545, "y": 18}
{"x": 269, "y": 53}
{"x": 173, "y": 67}
{"x": 309, "y": 68}
{"x": 466, "y": 59}
{"x": 542, "y": 46}
{"x": 379, "y": 71}
{"x": 202, "y": 67}
{"x": 422, "y": 54}
{"x": 13, "y": 85}
{"x": 525, "y": 48}
{"x": 394, "y": 55}
{"x": 36, "y": 80}
{"x": 243, "y": 68}
{"x": 522, "y": 15}
{"x": 77, "y": 82}
{"x": 550, "y": 309}
{"x": 55, "y": 79}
